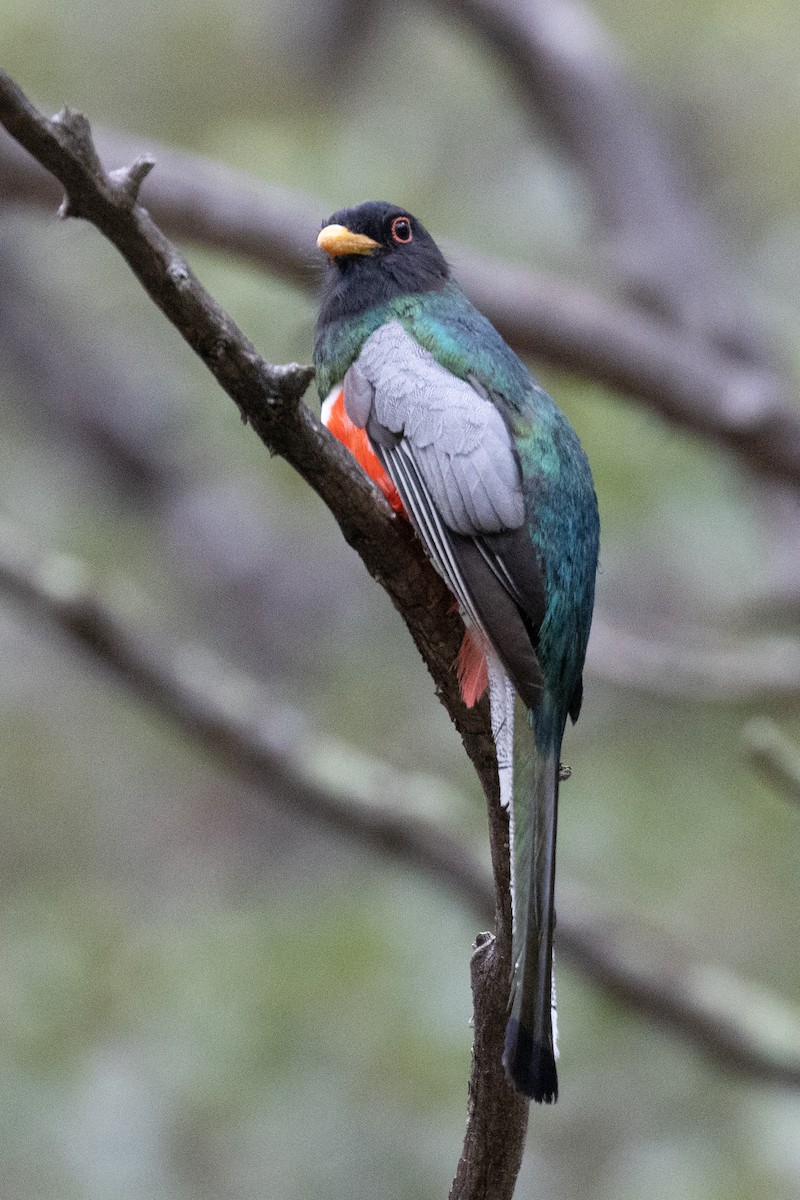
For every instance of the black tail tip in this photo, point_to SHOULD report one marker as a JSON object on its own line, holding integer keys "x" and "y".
{"x": 531, "y": 1066}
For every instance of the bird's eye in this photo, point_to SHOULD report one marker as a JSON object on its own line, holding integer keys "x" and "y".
{"x": 401, "y": 230}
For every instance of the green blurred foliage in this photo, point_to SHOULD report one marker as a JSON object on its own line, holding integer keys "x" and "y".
{"x": 201, "y": 998}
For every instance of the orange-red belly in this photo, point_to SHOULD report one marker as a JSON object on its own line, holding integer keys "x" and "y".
{"x": 356, "y": 441}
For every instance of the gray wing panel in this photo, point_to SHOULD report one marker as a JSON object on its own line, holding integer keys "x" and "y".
{"x": 461, "y": 446}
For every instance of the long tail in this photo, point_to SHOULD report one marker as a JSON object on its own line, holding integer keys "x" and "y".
{"x": 531, "y": 1046}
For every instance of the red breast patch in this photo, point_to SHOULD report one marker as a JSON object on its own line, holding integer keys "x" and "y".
{"x": 336, "y": 419}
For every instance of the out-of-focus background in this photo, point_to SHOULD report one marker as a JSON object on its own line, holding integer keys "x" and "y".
{"x": 201, "y": 995}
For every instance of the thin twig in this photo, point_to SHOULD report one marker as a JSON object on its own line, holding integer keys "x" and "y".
{"x": 234, "y": 720}
{"x": 746, "y": 410}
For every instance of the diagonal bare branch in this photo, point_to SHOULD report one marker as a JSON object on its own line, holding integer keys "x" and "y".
{"x": 228, "y": 715}
{"x": 269, "y": 399}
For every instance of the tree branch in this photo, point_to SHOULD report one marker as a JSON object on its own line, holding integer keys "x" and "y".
{"x": 489, "y": 1165}
{"x": 214, "y": 706}
{"x": 269, "y": 398}
{"x": 747, "y": 410}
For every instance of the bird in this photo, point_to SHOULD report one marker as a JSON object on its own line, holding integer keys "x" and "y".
{"x": 449, "y": 422}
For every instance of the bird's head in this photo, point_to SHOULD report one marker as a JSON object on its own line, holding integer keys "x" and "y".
{"x": 376, "y": 252}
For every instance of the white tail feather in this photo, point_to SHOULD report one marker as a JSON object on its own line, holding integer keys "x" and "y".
{"x": 501, "y": 706}
{"x": 554, "y": 1011}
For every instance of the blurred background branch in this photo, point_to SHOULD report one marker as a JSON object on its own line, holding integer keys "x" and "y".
{"x": 764, "y": 670}
{"x": 234, "y": 720}
{"x": 744, "y": 407}
{"x": 572, "y": 78}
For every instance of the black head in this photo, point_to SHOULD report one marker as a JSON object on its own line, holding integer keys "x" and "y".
{"x": 376, "y": 252}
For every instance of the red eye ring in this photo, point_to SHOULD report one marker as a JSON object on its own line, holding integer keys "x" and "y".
{"x": 401, "y": 230}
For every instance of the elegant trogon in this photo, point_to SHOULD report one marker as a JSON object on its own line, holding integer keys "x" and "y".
{"x": 442, "y": 413}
